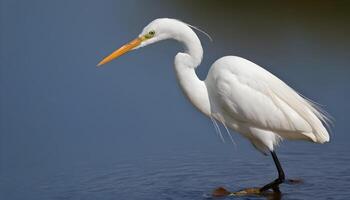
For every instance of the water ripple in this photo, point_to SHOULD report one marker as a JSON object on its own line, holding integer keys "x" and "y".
{"x": 195, "y": 175}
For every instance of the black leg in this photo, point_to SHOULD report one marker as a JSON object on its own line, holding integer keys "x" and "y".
{"x": 274, "y": 185}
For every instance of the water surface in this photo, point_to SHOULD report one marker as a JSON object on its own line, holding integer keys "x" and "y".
{"x": 125, "y": 131}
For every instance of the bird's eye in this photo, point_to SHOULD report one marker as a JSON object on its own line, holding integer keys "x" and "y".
{"x": 150, "y": 34}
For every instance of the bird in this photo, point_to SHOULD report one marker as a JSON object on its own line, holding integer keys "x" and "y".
{"x": 238, "y": 93}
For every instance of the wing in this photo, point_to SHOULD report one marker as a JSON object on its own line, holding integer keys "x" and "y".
{"x": 252, "y": 95}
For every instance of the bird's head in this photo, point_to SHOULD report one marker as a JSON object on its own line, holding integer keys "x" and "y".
{"x": 157, "y": 30}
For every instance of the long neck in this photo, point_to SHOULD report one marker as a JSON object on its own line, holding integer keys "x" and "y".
{"x": 185, "y": 65}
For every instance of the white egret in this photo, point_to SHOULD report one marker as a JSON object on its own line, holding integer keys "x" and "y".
{"x": 238, "y": 93}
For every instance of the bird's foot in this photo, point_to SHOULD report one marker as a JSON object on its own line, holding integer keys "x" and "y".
{"x": 274, "y": 185}
{"x": 254, "y": 191}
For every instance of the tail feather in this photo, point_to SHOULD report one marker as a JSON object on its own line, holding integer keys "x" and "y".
{"x": 307, "y": 109}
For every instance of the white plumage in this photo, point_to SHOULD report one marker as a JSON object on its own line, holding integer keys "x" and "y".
{"x": 257, "y": 104}
{"x": 237, "y": 93}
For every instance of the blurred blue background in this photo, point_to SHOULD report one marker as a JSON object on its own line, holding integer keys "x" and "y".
{"x": 125, "y": 131}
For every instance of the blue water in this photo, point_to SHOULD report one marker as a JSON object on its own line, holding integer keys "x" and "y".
{"x": 191, "y": 175}
{"x": 125, "y": 131}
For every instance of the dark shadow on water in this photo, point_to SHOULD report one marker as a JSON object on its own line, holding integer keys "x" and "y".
{"x": 255, "y": 192}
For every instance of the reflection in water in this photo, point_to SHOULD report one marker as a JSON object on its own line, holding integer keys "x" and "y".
{"x": 69, "y": 131}
{"x": 195, "y": 175}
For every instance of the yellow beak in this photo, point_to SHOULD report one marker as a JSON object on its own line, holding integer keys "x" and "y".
{"x": 122, "y": 50}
